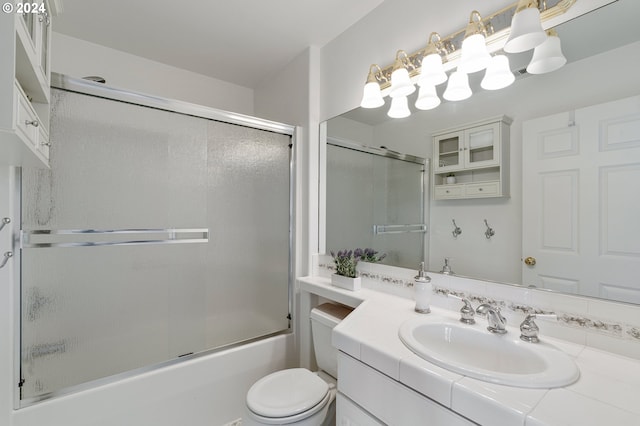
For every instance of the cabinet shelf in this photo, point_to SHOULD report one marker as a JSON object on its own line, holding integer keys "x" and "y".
{"x": 477, "y": 155}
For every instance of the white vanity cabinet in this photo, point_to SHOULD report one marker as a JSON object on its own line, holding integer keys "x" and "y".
{"x": 472, "y": 161}
{"x": 25, "y": 39}
{"x": 367, "y": 397}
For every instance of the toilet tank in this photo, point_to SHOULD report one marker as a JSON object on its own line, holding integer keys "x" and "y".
{"x": 323, "y": 318}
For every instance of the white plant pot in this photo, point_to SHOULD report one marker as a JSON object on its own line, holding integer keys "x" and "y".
{"x": 451, "y": 180}
{"x": 347, "y": 283}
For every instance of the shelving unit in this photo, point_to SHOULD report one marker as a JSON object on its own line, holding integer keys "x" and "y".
{"x": 477, "y": 156}
{"x": 25, "y": 85}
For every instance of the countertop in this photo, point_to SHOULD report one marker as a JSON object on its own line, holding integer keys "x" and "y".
{"x": 607, "y": 392}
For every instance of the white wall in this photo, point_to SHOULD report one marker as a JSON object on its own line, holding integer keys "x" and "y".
{"x": 351, "y": 130}
{"x": 293, "y": 96}
{"x": 79, "y": 58}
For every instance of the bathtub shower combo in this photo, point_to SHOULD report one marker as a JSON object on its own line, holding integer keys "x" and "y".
{"x": 161, "y": 232}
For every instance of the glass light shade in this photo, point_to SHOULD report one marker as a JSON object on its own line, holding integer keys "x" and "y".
{"x": 458, "y": 87}
{"x": 498, "y": 74}
{"x": 547, "y": 57}
{"x": 372, "y": 96}
{"x": 427, "y": 98}
{"x": 475, "y": 56}
{"x": 401, "y": 83}
{"x": 526, "y": 31}
{"x": 432, "y": 72}
{"x": 399, "y": 107}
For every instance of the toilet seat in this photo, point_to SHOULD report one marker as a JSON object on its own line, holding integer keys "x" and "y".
{"x": 291, "y": 395}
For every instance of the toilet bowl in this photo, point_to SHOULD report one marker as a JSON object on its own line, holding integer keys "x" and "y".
{"x": 297, "y": 396}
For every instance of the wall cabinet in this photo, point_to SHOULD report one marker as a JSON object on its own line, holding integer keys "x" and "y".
{"x": 25, "y": 85}
{"x": 472, "y": 161}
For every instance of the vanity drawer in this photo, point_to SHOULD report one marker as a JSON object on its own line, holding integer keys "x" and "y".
{"x": 388, "y": 400}
{"x": 448, "y": 191}
{"x": 484, "y": 189}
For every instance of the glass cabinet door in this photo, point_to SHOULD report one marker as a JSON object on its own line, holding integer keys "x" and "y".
{"x": 45, "y": 28}
{"x": 30, "y": 23}
{"x": 448, "y": 152}
{"x": 481, "y": 146}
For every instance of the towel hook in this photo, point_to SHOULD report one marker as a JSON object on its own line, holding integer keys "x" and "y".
{"x": 456, "y": 231}
{"x": 8, "y": 255}
{"x": 489, "y": 232}
{"x": 5, "y": 222}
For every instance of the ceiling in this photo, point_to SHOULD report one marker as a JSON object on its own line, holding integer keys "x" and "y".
{"x": 238, "y": 41}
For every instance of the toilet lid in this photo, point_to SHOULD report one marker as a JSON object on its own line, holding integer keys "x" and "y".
{"x": 286, "y": 393}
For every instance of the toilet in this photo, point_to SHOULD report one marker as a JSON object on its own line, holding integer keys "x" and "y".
{"x": 297, "y": 396}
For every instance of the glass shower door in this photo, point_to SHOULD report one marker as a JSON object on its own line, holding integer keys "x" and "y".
{"x": 375, "y": 201}
{"x": 153, "y": 236}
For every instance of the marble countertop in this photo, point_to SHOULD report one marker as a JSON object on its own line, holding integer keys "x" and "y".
{"x": 607, "y": 392}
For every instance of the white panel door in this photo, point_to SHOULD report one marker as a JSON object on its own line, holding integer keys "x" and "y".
{"x": 581, "y": 201}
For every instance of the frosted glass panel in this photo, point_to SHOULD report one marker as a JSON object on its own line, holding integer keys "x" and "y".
{"x": 248, "y": 255}
{"x": 364, "y": 190}
{"x": 93, "y": 312}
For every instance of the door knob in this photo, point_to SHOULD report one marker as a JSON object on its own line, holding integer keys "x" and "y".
{"x": 530, "y": 261}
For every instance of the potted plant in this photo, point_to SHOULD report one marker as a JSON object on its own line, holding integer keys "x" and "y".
{"x": 346, "y": 275}
{"x": 451, "y": 178}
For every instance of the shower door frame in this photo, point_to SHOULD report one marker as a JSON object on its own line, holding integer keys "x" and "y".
{"x": 90, "y": 88}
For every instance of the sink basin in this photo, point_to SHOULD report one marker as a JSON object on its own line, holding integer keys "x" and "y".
{"x": 473, "y": 351}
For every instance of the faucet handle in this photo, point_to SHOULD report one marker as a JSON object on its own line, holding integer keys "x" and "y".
{"x": 466, "y": 312}
{"x": 529, "y": 329}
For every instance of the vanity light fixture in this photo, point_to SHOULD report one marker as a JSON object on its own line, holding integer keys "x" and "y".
{"x": 526, "y": 28}
{"x": 498, "y": 74}
{"x": 475, "y": 56}
{"x": 372, "y": 96}
{"x": 400, "y": 81}
{"x": 467, "y": 51}
{"x": 548, "y": 56}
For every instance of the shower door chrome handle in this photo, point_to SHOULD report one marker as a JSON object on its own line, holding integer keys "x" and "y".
{"x": 7, "y": 255}
{"x": 5, "y": 222}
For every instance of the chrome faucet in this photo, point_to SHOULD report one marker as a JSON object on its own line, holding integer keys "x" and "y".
{"x": 497, "y": 323}
{"x": 529, "y": 329}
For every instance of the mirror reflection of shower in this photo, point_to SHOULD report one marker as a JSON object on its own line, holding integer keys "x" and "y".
{"x": 376, "y": 198}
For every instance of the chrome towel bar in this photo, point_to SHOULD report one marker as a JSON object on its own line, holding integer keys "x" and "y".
{"x": 45, "y": 238}
{"x": 399, "y": 229}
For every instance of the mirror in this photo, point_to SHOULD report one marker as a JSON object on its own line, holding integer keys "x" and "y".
{"x": 603, "y": 53}
{"x": 376, "y": 199}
